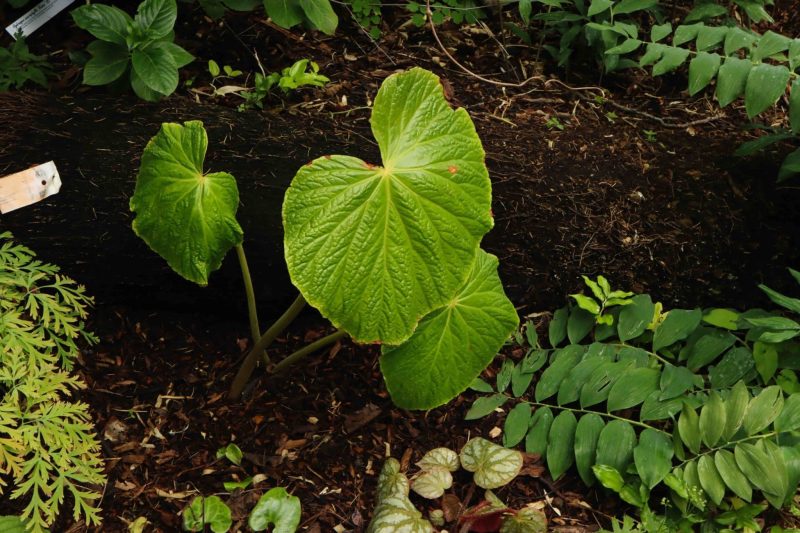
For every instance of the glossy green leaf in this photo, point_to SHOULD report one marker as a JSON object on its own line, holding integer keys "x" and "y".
{"x": 722, "y": 318}
{"x": 432, "y": 482}
{"x": 485, "y": 405}
{"x": 210, "y": 511}
{"x": 520, "y": 379}
{"x": 231, "y": 486}
{"x": 156, "y": 66}
{"x": 631, "y": 6}
{"x": 493, "y": 465}
{"x": 184, "y": 215}
{"x": 678, "y": 325}
{"x": 179, "y": 55}
{"x": 391, "y": 482}
{"x": 686, "y": 32}
{"x": 609, "y": 477}
{"x": 789, "y": 417}
{"x": 142, "y": 90}
{"x": 453, "y": 344}
{"x": 769, "y": 44}
{"x": 766, "y": 360}
{"x": 763, "y": 409}
{"x": 599, "y": 385}
{"x": 615, "y": 445}
{"x": 634, "y": 318}
{"x": 157, "y": 17}
{"x": 732, "y": 79}
{"x": 707, "y": 347}
{"x": 562, "y": 362}
{"x": 536, "y": 439}
{"x": 732, "y": 475}
{"x": 557, "y": 329}
{"x": 710, "y": 36}
{"x": 587, "y": 433}
{"x": 671, "y": 59}
{"x": 655, "y": 409}
{"x": 586, "y": 303}
{"x": 284, "y": 13}
{"x": 504, "y": 375}
{"x": 765, "y": 85}
{"x": 109, "y": 61}
{"x": 560, "y": 445}
{"x": 689, "y": 428}
{"x": 660, "y": 31}
{"x": 632, "y": 388}
{"x": 712, "y": 420}
{"x": 735, "y": 409}
{"x": 579, "y": 325}
{"x": 759, "y": 469}
{"x": 675, "y": 380}
{"x": 733, "y": 366}
{"x": 321, "y": 15}
{"x": 516, "y": 425}
{"x": 598, "y": 6}
{"x": 570, "y": 388}
{"x": 277, "y": 508}
{"x": 653, "y": 457}
{"x": 710, "y": 479}
{"x": 376, "y": 248}
{"x": 232, "y": 453}
{"x": 107, "y": 23}
{"x": 738, "y": 38}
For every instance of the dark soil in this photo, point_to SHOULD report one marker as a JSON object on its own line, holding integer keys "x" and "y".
{"x": 671, "y": 212}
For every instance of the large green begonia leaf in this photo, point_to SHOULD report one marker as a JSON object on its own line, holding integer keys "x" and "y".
{"x": 187, "y": 217}
{"x": 453, "y": 344}
{"x": 377, "y": 248}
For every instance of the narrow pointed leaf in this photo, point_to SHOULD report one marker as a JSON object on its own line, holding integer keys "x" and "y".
{"x": 735, "y": 408}
{"x": 712, "y": 420}
{"x": 536, "y": 439}
{"x": 732, "y": 475}
{"x": 678, "y": 325}
{"x": 732, "y": 79}
{"x": 485, "y": 405}
{"x": 632, "y": 388}
{"x": 763, "y": 409}
{"x": 587, "y": 433}
{"x": 516, "y": 425}
{"x": 615, "y": 446}
{"x": 653, "y": 457}
{"x": 689, "y": 428}
{"x": 562, "y": 362}
{"x": 765, "y": 85}
{"x": 789, "y": 417}
{"x": 560, "y": 446}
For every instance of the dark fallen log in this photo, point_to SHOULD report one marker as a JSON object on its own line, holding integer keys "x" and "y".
{"x": 96, "y": 143}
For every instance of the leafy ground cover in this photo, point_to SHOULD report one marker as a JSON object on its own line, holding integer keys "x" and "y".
{"x": 656, "y": 208}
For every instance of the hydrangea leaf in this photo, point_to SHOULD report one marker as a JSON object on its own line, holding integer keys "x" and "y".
{"x": 184, "y": 215}
{"x": 453, "y": 344}
{"x": 376, "y": 248}
{"x": 398, "y": 514}
{"x": 279, "y": 508}
{"x": 210, "y": 511}
{"x": 440, "y": 457}
{"x": 392, "y": 482}
{"x": 432, "y": 483}
{"x": 493, "y": 465}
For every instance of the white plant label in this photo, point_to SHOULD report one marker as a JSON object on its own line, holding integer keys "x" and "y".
{"x": 37, "y": 17}
{"x": 29, "y": 186}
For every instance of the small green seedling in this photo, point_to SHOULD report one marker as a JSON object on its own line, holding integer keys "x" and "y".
{"x": 604, "y": 298}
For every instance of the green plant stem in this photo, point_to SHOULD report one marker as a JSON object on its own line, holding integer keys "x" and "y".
{"x": 308, "y": 350}
{"x": 600, "y": 413}
{"x": 249, "y": 363}
{"x": 252, "y": 311}
{"x": 623, "y": 345}
{"x": 729, "y": 444}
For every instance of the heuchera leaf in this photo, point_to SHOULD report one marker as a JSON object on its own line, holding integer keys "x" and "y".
{"x": 432, "y": 482}
{"x": 276, "y": 507}
{"x": 453, "y": 344}
{"x": 377, "y": 248}
{"x": 187, "y": 217}
{"x": 439, "y": 457}
{"x": 391, "y": 482}
{"x": 493, "y": 465}
{"x": 398, "y": 514}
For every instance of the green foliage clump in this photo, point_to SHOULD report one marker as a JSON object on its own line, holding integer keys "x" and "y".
{"x": 702, "y": 405}
{"x": 141, "y": 47}
{"x": 367, "y": 13}
{"x": 48, "y": 447}
{"x": 19, "y": 66}
{"x": 459, "y": 11}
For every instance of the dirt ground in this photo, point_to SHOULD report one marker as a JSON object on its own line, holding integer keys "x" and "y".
{"x": 640, "y": 185}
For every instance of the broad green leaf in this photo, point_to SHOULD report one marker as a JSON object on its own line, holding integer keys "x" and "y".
{"x": 792, "y": 304}
{"x": 794, "y": 55}
{"x": 493, "y": 465}
{"x": 184, "y": 215}
{"x": 232, "y": 453}
{"x": 452, "y": 345}
{"x": 398, "y": 514}
{"x": 13, "y": 524}
{"x": 678, "y": 325}
{"x": 634, "y": 318}
{"x": 157, "y": 17}
{"x": 632, "y": 388}
{"x": 765, "y": 85}
{"x": 587, "y": 433}
{"x": 516, "y": 425}
{"x": 520, "y": 379}
{"x": 653, "y": 457}
{"x": 479, "y": 385}
{"x": 432, "y": 482}
{"x": 763, "y": 409}
{"x": 689, "y": 428}
{"x": 586, "y": 303}
{"x": 504, "y": 375}
{"x": 598, "y": 6}
{"x": 557, "y": 329}
{"x": 107, "y": 23}
{"x": 109, "y": 61}
{"x": 561, "y": 363}
{"x": 775, "y": 323}
{"x": 769, "y": 44}
{"x": 156, "y": 66}
{"x": 759, "y": 468}
{"x": 710, "y": 479}
{"x": 735, "y": 409}
{"x": 675, "y": 380}
{"x": 526, "y": 520}
{"x": 791, "y": 459}
{"x": 627, "y": 46}
{"x": 705, "y": 12}
{"x": 710, "y": 36}
{"x": 391, "y": 482}
{"x": 321, "y": 15}
{"x": 653, "y": 53}
{"x": 179, "y": 55}
{"x": 570, "y": 388}
{"x": 536, "y": 439}
{"x": 690, "y": 476}
{"x": 485, "y": 405}
{"x": 579, "y": 325}
{"x": 631, "y": 6}
{"x": 738, "y": 38}
{"x": 794, "y": 107}
{"x": 278, "y": 508}
{"x": 671, "y": 59}
{"x": 707, "y": 347}
{"x": 686, "y": 32}
{"x": 660, "y": 31}
{"x": 736, "y": 363}
{"x": 702, "y": 69}
{"x": 439, "y": 457}
{"x": 615, "y": 445}
{"x": 142, "y": 90}
{"x": 789, "y": 417}
{"x": 599, "y": 385}
{"x": 732, "y": 79}
{"x": 655, "y": 409}
{"x": 712, "y": 420}
{"x": 561, "y": 443}
{"x": 284, "y": 13}
{"x": 732, "y": 475}
{"x": 780, "y": 474}
{"x": 609, "y": 477}
{"x": 766, "y": 359}
{"x": 790, "y": 166}
{"x": 210, "y": 511}
{"x": 376, "y": 248}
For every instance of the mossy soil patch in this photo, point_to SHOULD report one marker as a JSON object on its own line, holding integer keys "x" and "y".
{"x": 671, "y": 213}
